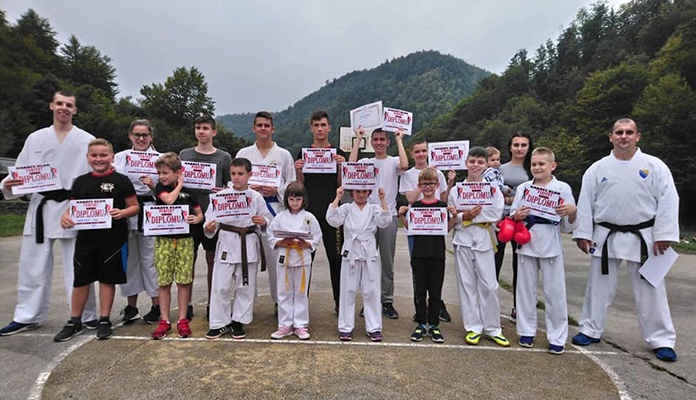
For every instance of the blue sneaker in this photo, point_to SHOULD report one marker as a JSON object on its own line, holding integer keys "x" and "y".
{"x": 16, "y": 327}
{"x": 666, "y": 354}
{"x": 557, "y": 350}
{"x": 583, "y": 340}
{"x": 526, "y": 341}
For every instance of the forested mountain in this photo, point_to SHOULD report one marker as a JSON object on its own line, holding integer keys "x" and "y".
{"x": 637, "y": 61}
{"x": 427, "y": 83}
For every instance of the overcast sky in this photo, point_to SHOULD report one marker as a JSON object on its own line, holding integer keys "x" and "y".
{"x": 268, "y": 54}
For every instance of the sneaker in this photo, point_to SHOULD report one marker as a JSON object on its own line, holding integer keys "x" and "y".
{"x": 666, "y": 354}
{"x": 472, "y": 338}
{"x": 500, "y": 340}
{"x": 153, "y": 316}
{"x": 361, "y": 314}
{"x": 513, "y": 315}
{"x": 554, "y": 349}
{"x": 302, "y": 333}
{"x": 104, "y": 331}
{"x": 583, "y": 340}
{"x": 444, "y": 315}
{"x": 418, "y": 333}
{"x": 69, "y": 330}
{"x": 130, "y": 314}
{"x": 526, "y": 341}
{"x": 436, "y": 335}
{"x": 389, "y": 311}
{"x": 375, "y": 336}
{"x": 283, "y": 331}
{"x": 91, "y": 324}
{"x": 162, "y": 329}
{"x": 217, "y": 333}
{"x": 16, "y": 327}
{"x": 183, "y": 328}
{"x": 238, "y": 330}
{"x": 346, "y": 336}
{"x": 189, "y": 312}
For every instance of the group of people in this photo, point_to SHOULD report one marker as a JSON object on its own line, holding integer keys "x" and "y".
{"x": 627, "y": 210}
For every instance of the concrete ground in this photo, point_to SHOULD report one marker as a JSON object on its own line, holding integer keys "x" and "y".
{"x": 132, "y": 366}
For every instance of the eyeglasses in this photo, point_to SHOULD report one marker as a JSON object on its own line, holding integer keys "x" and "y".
{"x": 427, "y": 184}
{"x": 141, "y": 135}
{"x": 621, "y": 133}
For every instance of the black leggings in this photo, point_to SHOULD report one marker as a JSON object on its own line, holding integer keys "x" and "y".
{"x": 499, "y": 264}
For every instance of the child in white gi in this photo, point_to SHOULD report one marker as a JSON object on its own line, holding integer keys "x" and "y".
{"x": 294, "y": 261}
{"x": 474, "y": 243}
{"x": 232, "y": 261}
{"x": 359, "y": 268}
{"x": 544, "y": 252}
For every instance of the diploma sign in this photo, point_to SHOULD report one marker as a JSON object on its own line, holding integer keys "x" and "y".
{"x": 367, "y": 117}
{"x": 542, "y": 202}
{"x": 265, "y": 175}
{"x": 37, "y": 178}
{"x": 470, "y": 194}
{"x": 292, "y": 235}
{"x": 230, "y": 204}
{"x": 448, "y": 155}
{"x": 198, "y": 175}
{"x": 165, "y": 220}
{"x": 91, "y": 213}
{"x": 427, "y": 221}
{"x": 359, "y": 175}
{"x": 395, "y": 119}
{"x": 318, "y": 161}
{"x": 140, "y": 163}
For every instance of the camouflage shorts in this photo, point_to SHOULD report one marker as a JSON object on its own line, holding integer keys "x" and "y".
{"x": 174, "y": 260}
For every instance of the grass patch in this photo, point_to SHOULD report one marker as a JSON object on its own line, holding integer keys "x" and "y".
{"x": 11, "y": 225}
{"x": 687, "y": 244}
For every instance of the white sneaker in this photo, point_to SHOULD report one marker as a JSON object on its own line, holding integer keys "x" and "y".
{"x": 302, "y": 333}
{"x": 282, "y": 332}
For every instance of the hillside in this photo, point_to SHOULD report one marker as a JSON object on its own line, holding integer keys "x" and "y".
{"x": 426, "y": 82}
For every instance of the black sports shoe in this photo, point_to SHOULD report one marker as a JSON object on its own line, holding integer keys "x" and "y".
{"x": 444, "y": 315}
{"x": 189, "y": 312}
{"x": 104, "y": 331}
{"x": 92, "y": 324}
{"x": 153, "y": 316}
{"x": 436, "y": 334}
{"x": 217, "y": 333}
{"x": 389, "y": 311}
{"x": 130, "y": 314}
{"x": 238, "y": 330}
{"x": 418, "y": 333}
{"x": 70, "y": 330}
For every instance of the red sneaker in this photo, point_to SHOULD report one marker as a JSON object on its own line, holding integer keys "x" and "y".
{"x": 163, "y": 327}
{"x": 183, "y": 327}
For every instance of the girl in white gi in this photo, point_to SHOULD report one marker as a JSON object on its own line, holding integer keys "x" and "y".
{"x": 294, "y": 261}
{"x": 231, "y": 260}
{"x": 359, "y": 268}
{"x": 141, "y": 273}
{"x": 474, "y": 261}
{"x": 544, "y": 252}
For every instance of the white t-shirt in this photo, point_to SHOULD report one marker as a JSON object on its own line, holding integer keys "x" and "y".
{"x": 387, "y": 178}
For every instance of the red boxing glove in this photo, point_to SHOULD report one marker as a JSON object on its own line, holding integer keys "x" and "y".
{"x": 522, "y": 235}
{"x": 506, "y": 230}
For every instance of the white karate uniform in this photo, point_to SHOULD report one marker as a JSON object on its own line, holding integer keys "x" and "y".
{"x": 474, "y": 263}
{"x": 294, "y": 269}
{"x": 282, "y": 158}
{"x": 141, "y": 275}
{"x": 36, "y": 259}
{"x": 544, "y": 252}
{"x": 359, "y": 268}
{"x": 228, "y": 265}
{"x": 626, "y": 193}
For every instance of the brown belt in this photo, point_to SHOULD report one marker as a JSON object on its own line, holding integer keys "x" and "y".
{"x": 243, "y": 232}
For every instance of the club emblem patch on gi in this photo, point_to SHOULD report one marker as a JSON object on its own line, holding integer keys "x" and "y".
{"x": 307, "y": 221}
{"x": 643, "y": 173}
{"x": 604, "y": 179}
{"x": 107, "y": 187}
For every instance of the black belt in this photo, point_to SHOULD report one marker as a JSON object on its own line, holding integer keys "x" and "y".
{"x": 634, "y": 229}
{"x": 243, "y": 232}
{"x": 141, "y": 201}
{"x": 59, "y": 196}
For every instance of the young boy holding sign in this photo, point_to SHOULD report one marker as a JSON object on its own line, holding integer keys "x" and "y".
{"x": 100, "y": 254}
{"x": 428, "y": 255}
{"x": 548, "y": 208}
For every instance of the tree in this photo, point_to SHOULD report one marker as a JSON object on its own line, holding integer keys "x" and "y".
{"x": 85, "y": 65}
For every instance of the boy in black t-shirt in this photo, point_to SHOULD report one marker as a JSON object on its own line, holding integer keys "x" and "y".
{"x": 100, "y": 254}
{"x": 428, "y": 261}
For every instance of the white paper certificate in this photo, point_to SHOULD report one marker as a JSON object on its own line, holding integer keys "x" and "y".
{"x": 397, "y": 119}
{"x": 292, "y": 235}
{"x": 230, "y": 204}
{"x": 542, "y": 202}
{"x": 318, "y": 161}
{"x": 91, "y": 213}
{"x": 199, "y": 175}
{"x": 359, "y": 175}
{"x": 448, "y": 155}
{"x": 367, "y": 117}
{"x": 36, "y": 178}
{"x": 469, "y": 194}
{"x": 427, "y": 221}
{"x": 140, "y": 163}
{"x": 165, "y": 220}
{"x": 265, "y": 175}
{"x": 656, "y": 267}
